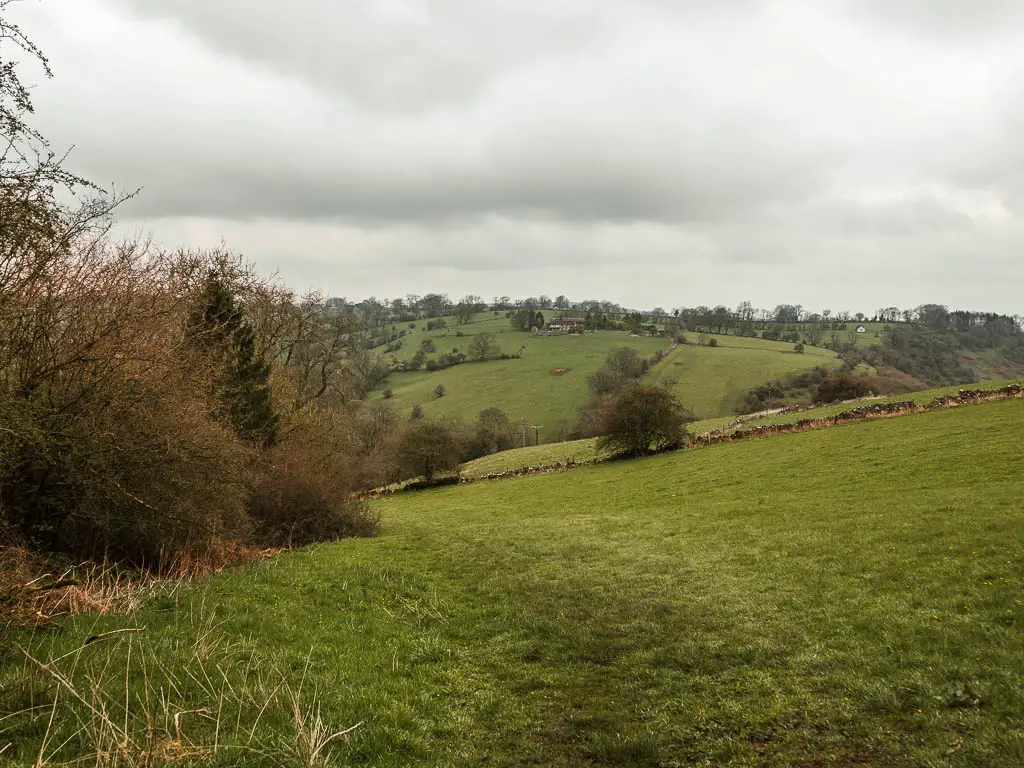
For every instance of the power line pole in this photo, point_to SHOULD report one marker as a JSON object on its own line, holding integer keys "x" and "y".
{"x": 536, "y": 433}
{"x": 524, "y": 431}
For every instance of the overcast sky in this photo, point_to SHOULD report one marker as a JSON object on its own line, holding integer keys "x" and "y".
{"x": 847, "y": 154}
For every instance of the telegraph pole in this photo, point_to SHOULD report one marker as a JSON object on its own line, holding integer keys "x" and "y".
{"x": 524, "y": 430}
{"x": 536, "y": 433}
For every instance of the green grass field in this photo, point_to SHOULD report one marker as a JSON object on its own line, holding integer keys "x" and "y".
{"x": 710, "y": 381}
{"x": 841, "y": 597}
{"x": 872, "y": 334}
{"x": 586, "y": 450}
{"x": 523, "y": 387}
{"x": 921, "y": 398}
{"x": 448, "y": 339}
{"x": 533, "y": 456}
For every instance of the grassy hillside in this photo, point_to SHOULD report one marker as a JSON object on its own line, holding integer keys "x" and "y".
{"x": 449, "y": 338}
{"x": 523, "y": 387}
{"x": 833, "y": 598}
{"x": 533, "y": 456}
{"x": 710, "y": 381}
{"x": 586, "y": 450}
{"x": 921, "y": 398}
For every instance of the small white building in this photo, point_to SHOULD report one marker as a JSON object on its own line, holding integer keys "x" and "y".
{"x": 861, "y": 329}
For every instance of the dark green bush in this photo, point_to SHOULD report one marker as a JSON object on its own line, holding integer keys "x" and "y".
{"x": 843, "y": 386}
{"x": 638, "y": 420}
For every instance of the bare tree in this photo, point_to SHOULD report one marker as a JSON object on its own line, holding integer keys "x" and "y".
{"x": 483, "y": 346}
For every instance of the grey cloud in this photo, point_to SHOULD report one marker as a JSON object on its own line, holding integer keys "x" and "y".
{"x": 640, "y": 264}
{"x": 606, "y": 136}
{"x": 906, "y": 217}
{"x": 643, "y": 146}
{"x": 951, "y": 21}
{"x": 386, "y": 56}
{"x": 407, "y": 56}
{"x": 583, "y": 174}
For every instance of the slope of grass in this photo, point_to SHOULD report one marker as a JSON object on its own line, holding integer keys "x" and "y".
{"x": 842, "y": 597}
{"x": 533, "y": 456}
{"x": 921, "y": 398}
{"x": 713, "y": 380}
{"x": 524, "y": 387}
{"x": 448, "y": 339}
{"x": 586, "y": 449}
{"x": 710, "y": 381}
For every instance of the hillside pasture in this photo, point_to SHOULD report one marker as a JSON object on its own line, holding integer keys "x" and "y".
{"x": 449, "y": 338}
{"x": 523, "y": 387}
{"x": 586, "y": 450}
{"x": 823, "y": 411}
{"x": 546, "y": 454}
{"x": 712, "y": 381}
{"x": 730, "y": 606}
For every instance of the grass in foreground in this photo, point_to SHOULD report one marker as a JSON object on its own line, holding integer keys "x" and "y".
{"x": 842, "y": 597}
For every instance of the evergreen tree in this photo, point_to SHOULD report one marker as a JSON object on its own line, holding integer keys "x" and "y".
{"x": 218, "y": 325}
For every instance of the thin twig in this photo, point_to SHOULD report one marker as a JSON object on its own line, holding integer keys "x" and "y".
{"x": 103, "y": 636}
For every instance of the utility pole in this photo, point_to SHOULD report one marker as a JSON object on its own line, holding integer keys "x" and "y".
{"x": 536, "y": 433}
{"x": 524, "y": 431}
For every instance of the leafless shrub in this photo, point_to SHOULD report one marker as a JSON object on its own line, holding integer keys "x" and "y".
{"x": 293, "y": 503}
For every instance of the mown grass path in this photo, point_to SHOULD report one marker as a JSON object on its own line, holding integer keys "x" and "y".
{"x": 840, "y": 597}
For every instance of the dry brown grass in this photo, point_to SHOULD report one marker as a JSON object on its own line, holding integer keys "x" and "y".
{"x": 34, "y": 590}
{"x": 88, "y": 710}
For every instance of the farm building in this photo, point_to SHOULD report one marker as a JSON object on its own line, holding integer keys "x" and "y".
{"x": 565, "y": 325}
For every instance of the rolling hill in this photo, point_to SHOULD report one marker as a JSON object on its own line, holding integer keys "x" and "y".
{"x": 711, "y": 381}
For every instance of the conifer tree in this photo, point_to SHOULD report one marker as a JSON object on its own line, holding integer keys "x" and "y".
{"x": 219, "y": 325}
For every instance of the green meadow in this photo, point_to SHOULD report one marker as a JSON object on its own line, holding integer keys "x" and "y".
{"x": 586, "y": 450}
{"x": 840, "y": 597}
{"x": 532, "y": 456}
{"x": 823, "y": 411}
{"x": 457, "y": 337}
{"x": 711, "y": 381}
{"x": 523, "y": 387}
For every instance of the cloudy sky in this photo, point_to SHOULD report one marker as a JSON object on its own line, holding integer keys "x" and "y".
{"x": 847, "y": 154}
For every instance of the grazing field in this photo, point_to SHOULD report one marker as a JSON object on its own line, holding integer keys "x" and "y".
{"x": 711, "y": 381}
{"x": 533, "y": 456}
{"x": 524, "y": 387}
{"x": 921, "y": 398}
{"x": 449, "y": 338}
{"x": 586, "y": 450}
{"x": 841, "y": 597}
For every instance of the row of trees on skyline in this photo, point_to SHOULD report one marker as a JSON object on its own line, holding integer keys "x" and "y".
{"x": 719, "y": 318}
